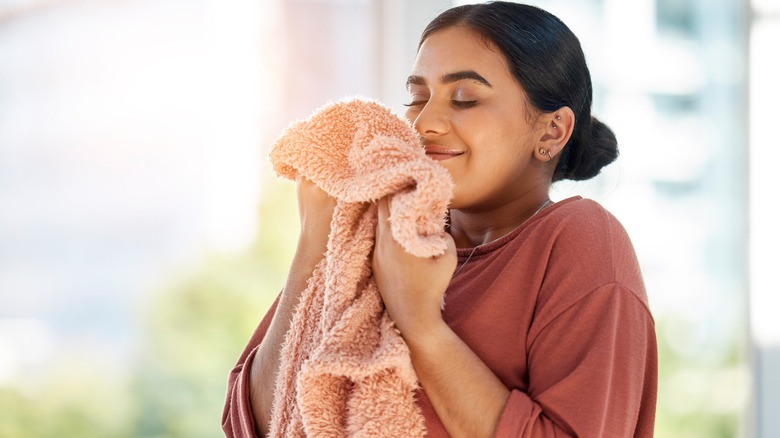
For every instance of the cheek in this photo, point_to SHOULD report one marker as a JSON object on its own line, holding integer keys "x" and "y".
{"x": 500, "y": 152}
{"x": 474, "y": 128}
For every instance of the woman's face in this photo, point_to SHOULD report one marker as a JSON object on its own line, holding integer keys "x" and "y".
{"x": 473, "y": 117}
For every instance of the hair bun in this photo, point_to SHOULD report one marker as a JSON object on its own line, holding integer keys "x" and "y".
{"x": 597, "y": 150}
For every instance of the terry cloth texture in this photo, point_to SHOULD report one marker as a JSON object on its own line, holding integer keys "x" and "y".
{"x": 345, "y": 370}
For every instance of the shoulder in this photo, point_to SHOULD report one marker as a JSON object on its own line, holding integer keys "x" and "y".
{"x": 579, "y": 227}
{"x": 582, "y": 215}
{"x": 588, "y": 248}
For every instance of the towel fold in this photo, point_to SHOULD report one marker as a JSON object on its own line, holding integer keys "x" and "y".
{"x": 345, "y": 370}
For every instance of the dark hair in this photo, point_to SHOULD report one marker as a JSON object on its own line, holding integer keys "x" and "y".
{"x": 546, "y": 59}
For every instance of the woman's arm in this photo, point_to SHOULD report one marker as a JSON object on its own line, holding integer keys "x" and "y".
{"x": 592, "y": 372}
{"x": 315, "y": 209}
{"x": 466, "y": 394}
{"x": 265, "y": 365}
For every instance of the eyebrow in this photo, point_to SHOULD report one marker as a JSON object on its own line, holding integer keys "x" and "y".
{"x": 466, "y": 75}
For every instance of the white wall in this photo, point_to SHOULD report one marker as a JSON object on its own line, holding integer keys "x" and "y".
{"x": 764, "y": 214}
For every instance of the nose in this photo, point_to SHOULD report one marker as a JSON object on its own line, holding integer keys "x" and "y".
{"x": 431, "y": 119}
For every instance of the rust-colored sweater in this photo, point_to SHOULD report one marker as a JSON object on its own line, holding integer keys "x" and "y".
{"x": 557, "y": 309}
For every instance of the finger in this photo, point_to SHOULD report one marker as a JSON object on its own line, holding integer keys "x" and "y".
{"x": 452, "y": 252}
{"x": 379, "y": 231}
{"x": 451, "y": 249}
{"x": 383, "y": 213}
{"x": 384, "y": 208}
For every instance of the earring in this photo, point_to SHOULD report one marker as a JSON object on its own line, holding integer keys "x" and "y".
{"x": 551, "y": 154}
{"x": 542, "y": 151}
{"x": 555, "y": 126}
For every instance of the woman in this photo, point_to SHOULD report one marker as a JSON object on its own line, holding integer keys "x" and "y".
{"x": 546, "y": 329}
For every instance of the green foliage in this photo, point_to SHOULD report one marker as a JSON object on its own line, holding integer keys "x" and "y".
{"x": 702, "y": 389}
{"x": 72, "y": 401}
{"x": 192, "y": 332}
{"x": 193, "y": 336}
{"x": 195, "y": 330}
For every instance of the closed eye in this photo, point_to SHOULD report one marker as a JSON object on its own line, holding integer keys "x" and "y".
{"x": 415, "y": 103}
{"x": 464, "y": 103}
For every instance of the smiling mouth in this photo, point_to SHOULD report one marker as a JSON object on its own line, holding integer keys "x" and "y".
{"x": 441, "y": 153}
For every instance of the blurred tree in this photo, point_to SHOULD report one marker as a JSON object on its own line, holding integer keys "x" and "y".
{"x": 701, "y": 390}
{"x": 195, "y": 330}
{"x": 67, "y": 401}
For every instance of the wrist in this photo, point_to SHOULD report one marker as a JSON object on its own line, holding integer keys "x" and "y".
{"x": 425, "y": 335}
{"x": 311, "y": 248}
{"x": 304, "y": 262}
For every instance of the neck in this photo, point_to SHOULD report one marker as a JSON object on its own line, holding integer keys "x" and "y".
{"x": 474, "y": 227}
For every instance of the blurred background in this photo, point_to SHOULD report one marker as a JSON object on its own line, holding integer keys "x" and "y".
{"x": 143, "y": 234}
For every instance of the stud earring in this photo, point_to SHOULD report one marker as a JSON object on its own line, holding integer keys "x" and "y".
{"x": 542, "y": 151}
{"x": 555, "y": 126}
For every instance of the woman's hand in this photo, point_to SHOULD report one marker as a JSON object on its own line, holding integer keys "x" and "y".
{"x": 315, "y": 209}
{"x": 468, "y": 398}
{"x": 412, "y": 288}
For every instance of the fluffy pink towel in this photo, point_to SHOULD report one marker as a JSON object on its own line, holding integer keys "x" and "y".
{"x": 345, "y": 369}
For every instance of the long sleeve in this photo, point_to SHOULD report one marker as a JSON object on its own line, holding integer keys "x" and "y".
{"x": 598, "y": 380}
{"x": 238, "y": 421}
{"x": 557, "y": 309}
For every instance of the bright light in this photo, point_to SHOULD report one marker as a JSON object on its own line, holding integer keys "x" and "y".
{"x": 764, "y": 156}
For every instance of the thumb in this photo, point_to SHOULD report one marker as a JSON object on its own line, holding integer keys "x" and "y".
{"x": 451, "y": 249}
{"x": 383, "y": 213}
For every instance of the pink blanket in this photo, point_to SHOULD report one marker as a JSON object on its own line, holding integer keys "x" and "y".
{"x": 345, "y": 369}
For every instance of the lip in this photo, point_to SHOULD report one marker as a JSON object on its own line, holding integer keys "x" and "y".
{"x": 440, "y": 153}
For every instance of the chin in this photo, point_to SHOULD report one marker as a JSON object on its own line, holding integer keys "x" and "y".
{"x": 457, "y": 200}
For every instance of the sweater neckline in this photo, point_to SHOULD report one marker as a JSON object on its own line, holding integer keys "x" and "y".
{"x": 503, "y": 240}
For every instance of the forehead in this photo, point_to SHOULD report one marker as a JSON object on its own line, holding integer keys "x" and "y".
{"x": 460, "y": 48}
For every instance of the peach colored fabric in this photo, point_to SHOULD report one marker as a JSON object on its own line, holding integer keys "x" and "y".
{"x": 345, "y": 369}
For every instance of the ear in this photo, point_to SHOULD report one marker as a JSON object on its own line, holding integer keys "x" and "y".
{"x": 556, "y": 129}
